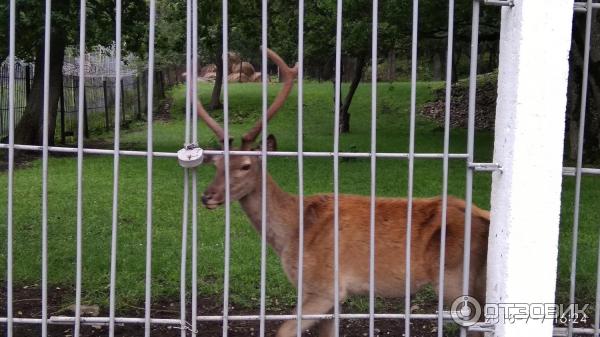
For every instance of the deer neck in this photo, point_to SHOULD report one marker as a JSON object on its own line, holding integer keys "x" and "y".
{"x": 282, "y": 214}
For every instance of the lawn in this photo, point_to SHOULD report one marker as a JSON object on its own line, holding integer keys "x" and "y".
{"x": 245, "y": 101}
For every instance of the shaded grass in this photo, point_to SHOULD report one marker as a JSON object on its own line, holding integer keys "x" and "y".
{"x": 245, "y": 102}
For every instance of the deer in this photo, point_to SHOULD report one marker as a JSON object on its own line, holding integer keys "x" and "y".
{"x": 354, "y": 227}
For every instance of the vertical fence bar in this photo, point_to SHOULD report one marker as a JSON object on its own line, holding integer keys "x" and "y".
{"x": 62, "y": 109}
{"x": 105, "y": 96}
{"x": 529, "y": 135}
{"x": 148, "y": 304}
{"x": 72, "y": 112}
{"x": 182, "y": 275}
{"x": 580, "y": 140}
{"x": 194, "y": 79}
{"x": 123, "y": 115}
{"x": 336, "y": 163}
{"x": 86, "y": 125}
{"x": 117, "y": 145}
{"x": 226, "y": 162}
{"x": 263, "y": 185}
{"x": 189, "y": 77}
{"x": 45, "y": 168}
{"x": 597, "y": 312}
{"x": 11, "y": 166}
{"x": 448, "y": 98}
{"x": 139, "y": 101}
{"x": 184, "y": 221}
{"x": 80, "y": 136}
{"x": 27, "y": 81}
{"x": 470, "y": 150}
{"x": 373, "y": 169}
{"x": 300, "y": 167}
{"x": 411, "y": 164}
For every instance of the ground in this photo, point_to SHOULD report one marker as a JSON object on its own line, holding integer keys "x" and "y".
{"x": 29, "y": 306}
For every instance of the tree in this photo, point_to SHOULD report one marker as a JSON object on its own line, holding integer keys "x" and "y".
{"x": 592, "y": 122}
{"x": 64, "y": 32}
{"x": 170, "y": 33}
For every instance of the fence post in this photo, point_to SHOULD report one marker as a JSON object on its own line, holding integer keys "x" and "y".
{"x": 162, "y": 84}
{"x": 122, "y": 101}
{"x": 530, "y": 113}
{"x": 139, "y": 103}
{"x": 62, "y": 109}
{"x": 27, "y": 81}
{"x": 86, "y": 128}
{"x": 106, "y": 117}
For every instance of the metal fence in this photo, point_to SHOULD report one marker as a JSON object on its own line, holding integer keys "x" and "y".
{"x": 189, "y": 317}
{"x": 588, "y": 9}
{"x": 22, "y": 77}
{"x": 99, "y": 98}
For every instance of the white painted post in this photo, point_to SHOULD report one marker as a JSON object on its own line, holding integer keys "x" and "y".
{"x": 532, "y": 84}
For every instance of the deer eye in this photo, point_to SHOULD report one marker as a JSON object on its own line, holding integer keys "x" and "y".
{"x": 245, "y": 167}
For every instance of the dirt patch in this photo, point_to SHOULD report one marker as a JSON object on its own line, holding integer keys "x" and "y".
{"x": 164, "y": 110}
{"x": 485, "y": 104}
{"x": 27, "y": 304}
{"x": 21, "y": 159}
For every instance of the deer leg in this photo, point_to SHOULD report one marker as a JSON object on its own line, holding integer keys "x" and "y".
{"x": 326, "y": 328}
{"x": 311, "y": 305}
{"x": 453, "y": 291}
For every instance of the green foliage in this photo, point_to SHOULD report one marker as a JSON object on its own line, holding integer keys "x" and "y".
{"x": 394, "y": 30}
{"x": 100, "y": 24}
{"x": 170, "y": 32}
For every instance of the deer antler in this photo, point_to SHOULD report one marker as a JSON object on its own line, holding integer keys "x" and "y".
{"x": 203, "y": 114}
{"x": 212, "y": 124}
{"x": 289, "y": 74}
{"x": 288, "y": 78}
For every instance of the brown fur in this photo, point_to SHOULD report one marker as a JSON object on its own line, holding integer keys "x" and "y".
{"x": 354, "y": 242}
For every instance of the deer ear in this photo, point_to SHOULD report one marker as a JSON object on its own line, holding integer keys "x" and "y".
{"x": 230, "y": 143}
{"x": 208, "y": 159}
{"x": 271, "y": 143}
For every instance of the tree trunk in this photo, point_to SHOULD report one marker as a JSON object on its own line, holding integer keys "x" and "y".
{"x": 592, "y": 127}
{"x": 391, "y": 66}
{"x": 573, "y": 106}
{"x": 344, "y": 111}
{"x": 29, "y": 129}
{"x": 437, "y": 65}
{"x": 215, "y": 100}
{"x": 455, "y": 60}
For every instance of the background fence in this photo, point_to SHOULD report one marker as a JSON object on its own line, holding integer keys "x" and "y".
{"x": 23, "y": 77}
{"x": 99, "y": 98}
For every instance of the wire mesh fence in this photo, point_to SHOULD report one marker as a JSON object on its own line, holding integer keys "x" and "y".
{"x": 23, "y": 75}
{"x": 99, "y": 97}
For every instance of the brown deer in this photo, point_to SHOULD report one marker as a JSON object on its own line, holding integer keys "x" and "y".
{"x": 354, "y": 226}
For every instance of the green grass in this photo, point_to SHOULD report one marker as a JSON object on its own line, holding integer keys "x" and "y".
{"x": 245, "y": 102}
